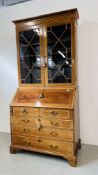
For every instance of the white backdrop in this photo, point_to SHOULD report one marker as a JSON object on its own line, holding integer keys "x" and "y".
{"x": 87, "y": 59}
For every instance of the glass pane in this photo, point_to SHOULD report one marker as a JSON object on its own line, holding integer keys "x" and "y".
{"x": 59, "y": 54}
{"x": 30, "y": 64}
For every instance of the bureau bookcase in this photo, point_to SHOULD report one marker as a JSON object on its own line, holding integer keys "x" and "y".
{"x": 44, "y": 113}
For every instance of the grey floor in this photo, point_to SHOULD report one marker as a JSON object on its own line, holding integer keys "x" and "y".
{"x": 28, "y": 163}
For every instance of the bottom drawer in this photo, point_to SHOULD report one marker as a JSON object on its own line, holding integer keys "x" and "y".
{"x": 44, "y": 144}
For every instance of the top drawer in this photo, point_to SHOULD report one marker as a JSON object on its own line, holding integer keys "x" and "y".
{"x": 25, "y": 111}
{"x": 55, "y": 113}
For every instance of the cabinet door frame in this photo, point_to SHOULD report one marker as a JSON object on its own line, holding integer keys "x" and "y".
{"x": 27, "y": 85}
{"x": 73, "y": 54}
{"x": 43, "y": 52}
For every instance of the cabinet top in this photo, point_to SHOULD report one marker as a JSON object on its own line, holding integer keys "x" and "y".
{"x": 73, "y": 12}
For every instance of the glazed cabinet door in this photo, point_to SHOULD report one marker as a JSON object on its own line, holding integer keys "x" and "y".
{"x": 46, "y": 55}
{"x": 59, "y": 54}
{"x": 30, "y": 56}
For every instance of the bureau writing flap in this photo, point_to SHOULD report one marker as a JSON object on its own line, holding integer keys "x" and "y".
{"x": 44, "y": 98}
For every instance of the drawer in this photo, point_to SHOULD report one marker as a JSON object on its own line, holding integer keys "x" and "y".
{"x": 24, "y": 131}
{"x": 24, "y": 121}
{"x": 41, "y": 122}
{"x": 25, "y": 111}
{"x": 58, "y": 123}
{"x": 57, "y": 146}
{"x": 44, "y": 144}
{"x": 57, "y": 134}
{"x": 56, "y": 113}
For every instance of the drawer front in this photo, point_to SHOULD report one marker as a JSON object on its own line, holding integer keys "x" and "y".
{"x": 41, "y": 122}
{"x": 44, "y": 144}
{"x": 57, "y": 113}
{"x": 57, "y": 146}
{"x": 58, "y": 123}
{"x": 43, "y": 133}
{"x": 25, "y": 111}
{"x": 24, "y": 121}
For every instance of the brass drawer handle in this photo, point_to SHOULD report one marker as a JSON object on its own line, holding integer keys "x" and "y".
{"x": 39, "y": 126}
{"x": 54, "y": 147}
{"x": 39, "y": 120}
{"x": 26, "y": 121}
{"x": 53, "y": 133}
{"x": 25, "y": 111}
{"x": 26, "y": 130}
{"x": 54, "y": 123}
{"x": 27, "y": 143}
{"x": 54, "y": 113}
{"x": 39, "y": 140}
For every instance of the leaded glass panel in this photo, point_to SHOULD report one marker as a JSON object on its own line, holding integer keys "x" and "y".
{"x": 30, "y": 65}
{"x": 59, "y": 54}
